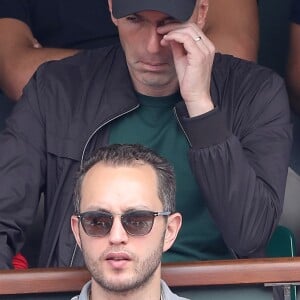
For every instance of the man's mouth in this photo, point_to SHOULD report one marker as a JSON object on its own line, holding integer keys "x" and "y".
{"x": 153, "y": 66}
{"x": 118, "y": 260}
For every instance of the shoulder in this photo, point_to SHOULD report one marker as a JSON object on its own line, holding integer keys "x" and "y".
{"x": 78, "y": 72}
{"x": 83, "y": 61}
{"x": 246, "y": 90}
{"x": 242, "y": 79}
{"x": 84, "y": 294}
{"x": 167, "y": 294}
{"x": 233, "y": 67}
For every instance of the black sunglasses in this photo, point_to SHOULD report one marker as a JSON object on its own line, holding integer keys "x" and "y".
{"x": 138, "y": 222}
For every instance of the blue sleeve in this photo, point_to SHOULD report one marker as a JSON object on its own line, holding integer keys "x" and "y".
{"x": 295, "y": 12}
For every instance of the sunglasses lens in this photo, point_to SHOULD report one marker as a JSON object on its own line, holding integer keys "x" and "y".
{"x": 138, "y": 222}
{"x": 96, "y": 223}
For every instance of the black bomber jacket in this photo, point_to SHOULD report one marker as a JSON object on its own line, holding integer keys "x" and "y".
{"x": 239, "y": 152}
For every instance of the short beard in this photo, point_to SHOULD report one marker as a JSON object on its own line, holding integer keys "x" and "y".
{"x": 142, "y": 274}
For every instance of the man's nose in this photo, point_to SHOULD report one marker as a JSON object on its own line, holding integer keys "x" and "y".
{"x": 118, "y": 234}
{"x": 153, "y": 41}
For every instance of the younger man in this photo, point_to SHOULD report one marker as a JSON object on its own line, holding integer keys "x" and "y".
{"x": 125, "y": 219}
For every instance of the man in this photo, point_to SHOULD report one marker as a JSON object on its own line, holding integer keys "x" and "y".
{"x": 229, "y": 139}
{"x": 36, "y": 31}
{"x": 124, "y": 219}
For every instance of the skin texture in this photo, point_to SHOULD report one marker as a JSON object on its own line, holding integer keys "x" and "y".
{"x": 232, "y": 25}
{"x": 293, "y": 68}
{"x": 123, "y": 265}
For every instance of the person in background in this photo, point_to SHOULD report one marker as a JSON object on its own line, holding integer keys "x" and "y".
{"x": 125, "y": 218}
{"x": 222, "y": 122}
{"x": 233, "y": 27}
{"x": 293, "y": 68}
{"x": 34, "y": 32}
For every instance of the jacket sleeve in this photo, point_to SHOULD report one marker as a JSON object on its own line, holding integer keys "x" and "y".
{"x": 240, "y": 158}
{"x": 22, "y": 169}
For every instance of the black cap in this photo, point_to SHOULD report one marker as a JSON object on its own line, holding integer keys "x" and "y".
{"x": 178, "y": 9}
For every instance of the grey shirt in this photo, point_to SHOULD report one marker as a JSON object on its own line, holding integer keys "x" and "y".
{"x": 166, "y": 293}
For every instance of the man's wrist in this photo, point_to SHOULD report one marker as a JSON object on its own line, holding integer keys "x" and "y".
{"x": 198, "y": 108}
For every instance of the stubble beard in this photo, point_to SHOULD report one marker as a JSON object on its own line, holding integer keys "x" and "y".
{"x": 142, "y": 273}
{"x": 154, "y": 83}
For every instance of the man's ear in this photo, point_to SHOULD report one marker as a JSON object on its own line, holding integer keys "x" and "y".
{"x": 173, "y": 227}
{"x": 201, "y": 9}
{"x": 75, "y": 229}
{"x": 110, "y": 10}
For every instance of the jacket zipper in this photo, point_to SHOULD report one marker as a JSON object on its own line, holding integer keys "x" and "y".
{"x": 178, "y": 121}
{"x": 83, "y": 154}
{"x": 99, "y": 127}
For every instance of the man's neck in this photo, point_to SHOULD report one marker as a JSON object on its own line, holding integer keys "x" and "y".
{"x": 149, "y": 291}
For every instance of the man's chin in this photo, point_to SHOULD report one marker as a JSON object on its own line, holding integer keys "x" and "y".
{"x": 119, "y": 285}
{"x": 156, "y": 81}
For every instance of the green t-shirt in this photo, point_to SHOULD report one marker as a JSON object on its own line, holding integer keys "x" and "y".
{"x": 154, "y": 125}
